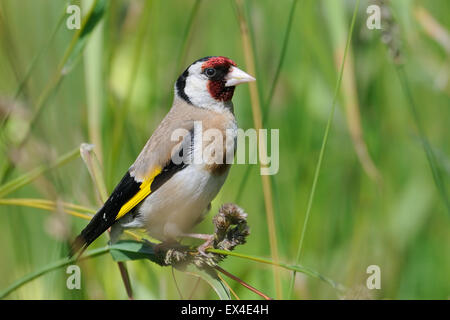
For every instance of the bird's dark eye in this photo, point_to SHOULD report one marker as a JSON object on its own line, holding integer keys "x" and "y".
{"x": 210, "y": 72}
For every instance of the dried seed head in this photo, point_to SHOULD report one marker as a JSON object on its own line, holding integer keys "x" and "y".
{"x": 231, "y": 229}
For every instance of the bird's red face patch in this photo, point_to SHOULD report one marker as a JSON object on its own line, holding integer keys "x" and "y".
{"x": 216, "y": 84}
{"x": 215, "y": 62}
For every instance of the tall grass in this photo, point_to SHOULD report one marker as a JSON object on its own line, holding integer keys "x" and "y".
{"x": 257, "y": 122}
{"x": 323, "y": 193}
{"x": 324, "y": 141}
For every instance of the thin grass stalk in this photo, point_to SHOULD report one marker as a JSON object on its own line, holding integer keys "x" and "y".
{"x": 268, "y": 102}
{"x": 431, "y": 157}
{"x": 243, "y": 283}
{"x": 88, "y": 156}
{"x": 61, "y": 71}
{"x": 257, "y": 121}
{"x": 95, "y": 170}
{"x": 353, "y": 115}
{"x": 122, "y": 113}
{"x": 433, "y": 28}
{"x": 8, "y": 42}
{"x": 32, "y": 66}
{"x": 96, "y": 252}
{"x": 229, "y": 287}
{"x": 390, "y": 39}
{"x": 50, "y": 89}
{"x": 51, "y": 206}
{"x": 194, "y": 289}
{"x": 324, "y": 143}
{"x": 45, "y": 202}
{"x": 284, "y": 47}
{"x": 29, "y": 177}
{"x": 295, "y": 268}
{"x": 338, "y": 32}
{"x": 242, "y": 185}
{"x": 94, "y": 85}
{"x": 187, "y": 36}
{"x": 54, "y": 266}
{"x": 30, "y": 202}
{"x": 176, "y": 283}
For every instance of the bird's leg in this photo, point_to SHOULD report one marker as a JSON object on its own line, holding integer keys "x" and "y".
{"x": 209, "y": 239}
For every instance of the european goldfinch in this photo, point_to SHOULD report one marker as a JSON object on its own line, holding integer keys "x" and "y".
{"x": 166, "y": 197}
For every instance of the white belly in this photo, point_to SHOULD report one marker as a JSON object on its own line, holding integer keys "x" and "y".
{"x": 179, "y": 204}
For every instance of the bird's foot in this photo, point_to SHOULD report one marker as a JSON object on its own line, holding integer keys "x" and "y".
{"x": 209, "y": 240}
{"x": 208, "y": 243}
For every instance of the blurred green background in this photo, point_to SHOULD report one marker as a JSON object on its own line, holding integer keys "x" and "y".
{"x": 376, "y": 202}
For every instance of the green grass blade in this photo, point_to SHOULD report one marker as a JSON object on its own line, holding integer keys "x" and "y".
{"x": 33, "y": 65}
{"x": 296, "y": 268}
{"x": 122, "y": 112}
{"x": 51, "y": 267}
{"x": 212, "y": 279}
{"x": 95, "y": 171}
{"x": 68, "y": 61}
{"x": 128, "y": 250}
{"x": 186, "y": 36}
{"x": 94, "y": 86}
{"x": 255, "y": 98}
{"x": 431, "y": 157}
{"x": 29, "y": 177}
{"x": 268, "y": 101}
{"x": 324, "y": 143}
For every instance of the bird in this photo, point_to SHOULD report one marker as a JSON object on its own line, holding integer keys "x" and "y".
{"x": 166, "y": 191}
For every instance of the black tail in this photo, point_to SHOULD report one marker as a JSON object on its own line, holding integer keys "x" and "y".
{"x": 93, "y": 230}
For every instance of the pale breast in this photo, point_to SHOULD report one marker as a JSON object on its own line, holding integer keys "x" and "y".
{"x": 180, "y": 203}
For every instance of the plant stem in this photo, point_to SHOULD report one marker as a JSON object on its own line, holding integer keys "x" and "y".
{"x": 56, "y": 265}
{"x": 324, "y": 143}
{"x": 94, "y": 87}
{"x": 257, "y": 122}
{"x": 50, "y": 205}
{"x": 295, "y": 268}
{"x": 96, "y": 252}
{"x": 229, "y": 287}
{"x": 122, "y": 114}
{"x": 437, "y": 176}
{"x": 186, "y": 37}
{"x": 51, "y": 87}
{"x": 32, "y": 175}
{"x": 194, "y": 288}
{"x": 94, "y": 169}
{"x": 43, "y": 202}
{"x": 33, "y": 64}
{"x": 266, "y": 109}
{"x": 243, "y": 283}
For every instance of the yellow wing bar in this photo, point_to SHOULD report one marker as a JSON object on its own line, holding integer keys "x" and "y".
{"x": 140, "y": 195}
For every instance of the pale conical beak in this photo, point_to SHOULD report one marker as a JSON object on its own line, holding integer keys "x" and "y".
{"x": 236, "y": 76}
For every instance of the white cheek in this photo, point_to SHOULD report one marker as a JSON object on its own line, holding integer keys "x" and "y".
{"x": 197, "y": 91}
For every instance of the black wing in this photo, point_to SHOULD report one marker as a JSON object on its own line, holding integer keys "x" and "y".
{"x": 124, "y": 191}
{"x": 106, "y": 216}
